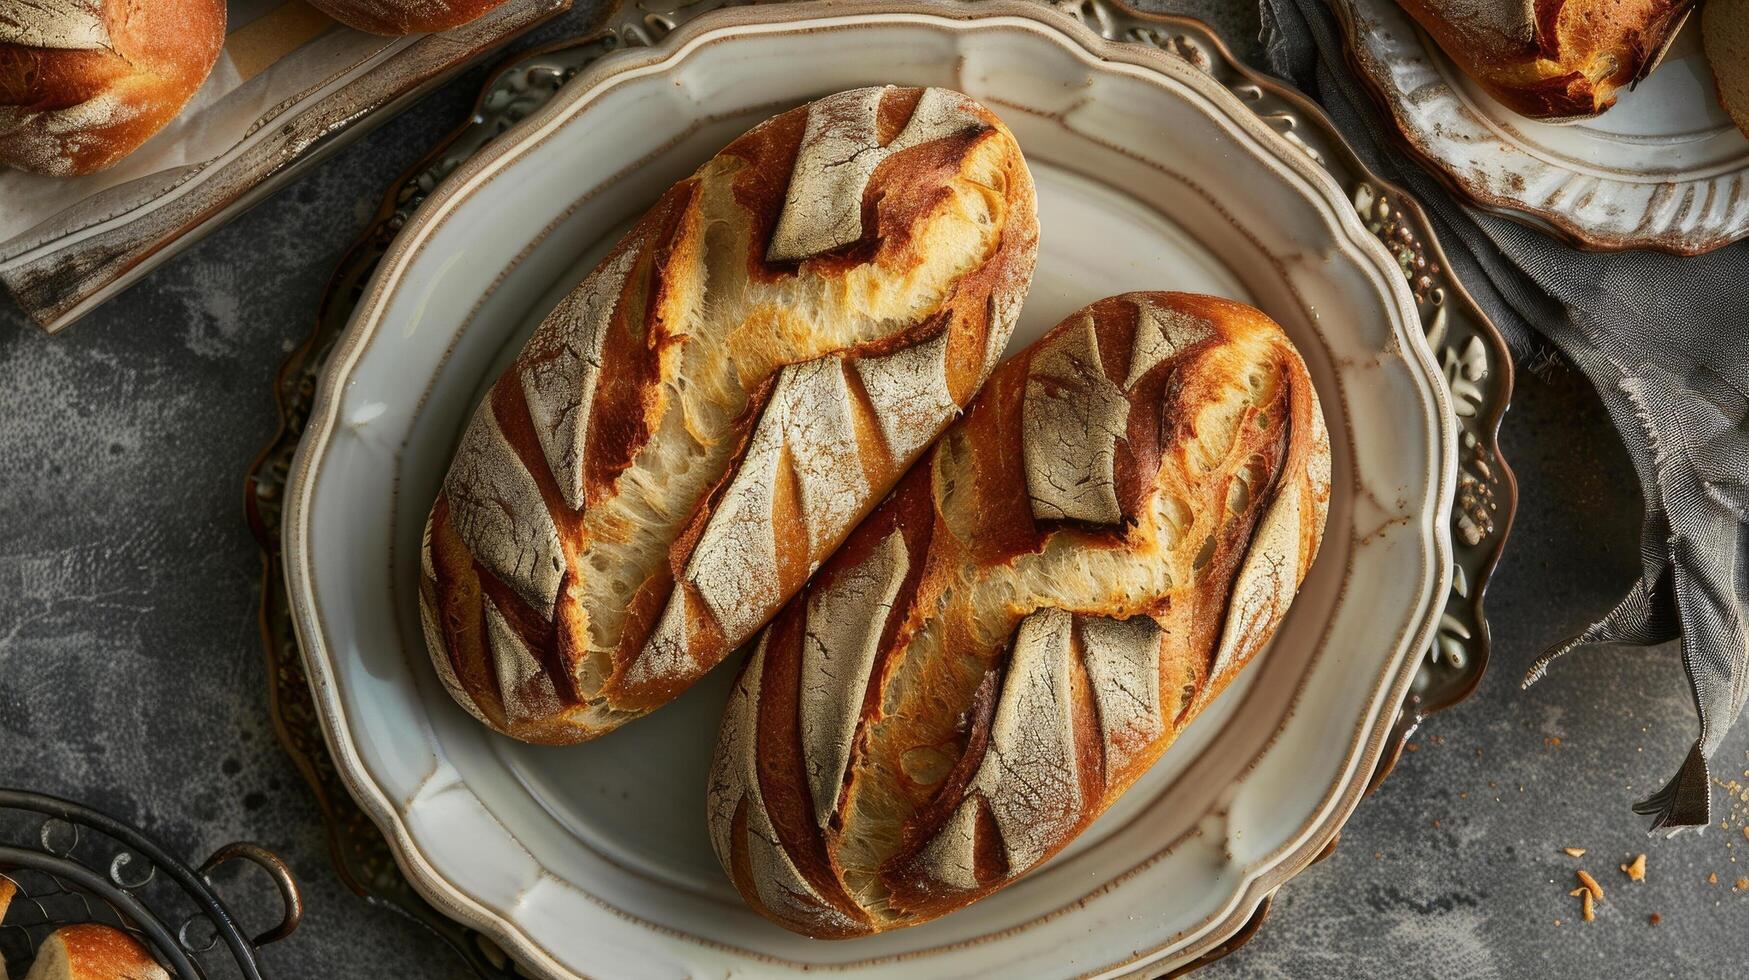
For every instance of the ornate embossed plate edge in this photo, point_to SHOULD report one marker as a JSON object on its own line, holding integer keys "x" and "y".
{"x": 1471, "y": 352}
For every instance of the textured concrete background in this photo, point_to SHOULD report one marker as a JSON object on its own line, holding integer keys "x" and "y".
{"x": 131, "y": 673}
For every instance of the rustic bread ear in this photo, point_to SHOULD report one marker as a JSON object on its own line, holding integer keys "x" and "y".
{"x": 89, "y": 951}
{"x": 1552, "y": 58}
{"x": 1073, "y": 572}
{"x": 85, "y": 82}
{"x": 699, "y": 424}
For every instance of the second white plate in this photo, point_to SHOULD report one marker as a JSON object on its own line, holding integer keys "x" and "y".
{"x": 1664, "y": 169}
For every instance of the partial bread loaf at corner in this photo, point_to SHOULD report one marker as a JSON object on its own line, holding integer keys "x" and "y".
{"x": 1724, "y": 30}
{"x": 85, "y": 82}
{"x": 1075, "y": 570}
{"x": 701, "y": 422}
{"x": 394, "y": 17}
{"x": 89, "y": 951}
{"x": 1552, "y": 59}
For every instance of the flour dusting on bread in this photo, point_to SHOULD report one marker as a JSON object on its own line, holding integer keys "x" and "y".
{"x": 704, "y": 424}
{"x": 1029, "y": 669}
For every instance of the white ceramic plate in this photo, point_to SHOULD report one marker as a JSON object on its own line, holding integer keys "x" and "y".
{"x": 593, "y": 859}
{"x": 1663, "y": 169}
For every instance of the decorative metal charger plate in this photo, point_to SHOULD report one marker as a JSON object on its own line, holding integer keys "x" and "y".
{"x": 580, "y": 858}
{"x": 1664, "y": 169}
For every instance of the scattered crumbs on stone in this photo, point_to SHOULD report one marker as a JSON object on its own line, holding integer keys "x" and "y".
{"x": 1463, "y": 796}
{"x": 1713, "y": 878}
{"x": 1654, "y": 919}
{"x": 1411, "y": 747}
{"x": 1553, "y": 742}
{"x": 1577, "y": 852}
{"x": 1435, "y": 825}
{"x": 1590, "y": 884}
{"x": 1742, "y": 885}
{"x": 1635, "y": 869}
{"x": 1586, "y": 910}
{"x": 1557, "y": 922}
{"x": 1378, "y": 855}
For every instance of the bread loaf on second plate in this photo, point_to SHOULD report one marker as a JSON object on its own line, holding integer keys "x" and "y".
{"x": 701, "y": 422}
{"x": 1075, "y": 570}
{"x": 85, "y": 82}
{"x": 1552, "y": 59}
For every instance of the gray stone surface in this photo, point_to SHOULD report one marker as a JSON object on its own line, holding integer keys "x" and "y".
{"x": 131, "y": 673}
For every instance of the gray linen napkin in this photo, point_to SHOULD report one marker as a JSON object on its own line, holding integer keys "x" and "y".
{"x": 1664, "y": 339}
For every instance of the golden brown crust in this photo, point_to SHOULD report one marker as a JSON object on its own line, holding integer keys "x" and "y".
{"x": 1551, "y": 59}
{"x": 706, "y": 416}
{"x": 1724, "y": 30}
{"x": 89, "y": 951}
{"x": 1030, "y": 664}
{"x": 404, "y": 16}
{"x": 85, "y": 82}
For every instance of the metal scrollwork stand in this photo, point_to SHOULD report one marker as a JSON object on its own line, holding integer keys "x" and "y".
{"x": 71, "y": 864}
{"x": 1474, "y": 357}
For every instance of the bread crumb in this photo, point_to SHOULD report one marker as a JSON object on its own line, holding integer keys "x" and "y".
{"x": 1654, "y": 919}
{"x": 1591, "y": 884}
{"x": 1577, "y": 852}
{"x": 1586, "y": 910}
{"x": 1713, "y": 878}
{"x": 1742, "y": 884}
{"x": 1636, "y": 869}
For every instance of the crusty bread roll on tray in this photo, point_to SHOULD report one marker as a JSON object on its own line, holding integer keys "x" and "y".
{"x": 1076, "y": 569}
{"x": 1552, "y": 59}
{"x": 89, "y": 951}
{"x": 701, "y": 422}
{"x": 84, "y": 82}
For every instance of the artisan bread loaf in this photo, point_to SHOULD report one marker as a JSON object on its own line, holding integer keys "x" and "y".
{"x": 404, "y": 16}
{"x": 85, "y": 82}
{"x": 89, "y": 951}
{"x": 701, "y": 421}
{"x": 1724, "y": 31}
{"x": 1074, "y": 571}
{"x": 1552, "y": 59}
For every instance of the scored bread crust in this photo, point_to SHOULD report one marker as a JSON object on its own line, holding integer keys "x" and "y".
{"x": 1551, "y": 59}
{"x": 705, "y": 417}
{"x": 1074, "y": 571}
{"x": 91, "y": 951}
{"x": 85, "y": 82}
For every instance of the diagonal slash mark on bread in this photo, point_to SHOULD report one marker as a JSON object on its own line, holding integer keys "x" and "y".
{"x": 703, "y": 424}
{"x": 1032, "y": 665}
